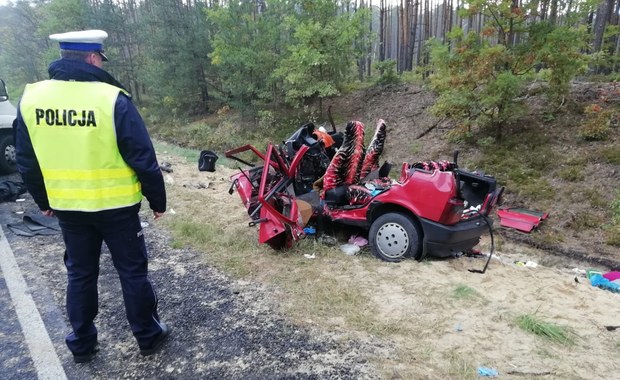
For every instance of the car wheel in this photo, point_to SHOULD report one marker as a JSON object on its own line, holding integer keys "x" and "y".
{"x": 7, "y": 154}
{"x": 395, "y": 236}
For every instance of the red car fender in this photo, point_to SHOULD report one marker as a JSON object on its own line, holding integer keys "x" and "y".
{"x": 427, "y": 195}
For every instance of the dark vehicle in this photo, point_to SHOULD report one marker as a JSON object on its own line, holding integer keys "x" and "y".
{"x": 431, "y": 208}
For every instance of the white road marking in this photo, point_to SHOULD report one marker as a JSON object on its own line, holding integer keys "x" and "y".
{"x": 42, "y": 351}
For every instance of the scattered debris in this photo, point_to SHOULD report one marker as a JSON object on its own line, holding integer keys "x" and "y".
{"x": 199, "y": 185}
{"x": 307, "y": 256}
{"x": 144, "y": 224}
{"x": 310, "y": 230}
{"x": 350, "y": 249}
{"x": 358, "y": 240}
{"x": 166, "y": 166}
{"x": 612, "y": 276}
{"x": 596, "y": 279}
{"x": 521, "y": 219}
{"x": 328, "y": 240}
{"x": 529, "y": 264}
{"x": 579, "y": 272}
{"x": 35, "y": 224}
{"x": 476, "y": 253}
{"x": 487, "y": 372}
{"x": 10, "y": 190}
{"x": 206, "y": 161}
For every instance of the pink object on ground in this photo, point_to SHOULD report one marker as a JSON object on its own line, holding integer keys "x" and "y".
{"x": 612, "y": 276}
{"x": 358, "y": 240}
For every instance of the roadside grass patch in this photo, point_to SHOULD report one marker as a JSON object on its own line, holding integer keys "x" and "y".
{"x": 460, "y": 367}
{"x": 548, "y": 330}
{"x": 596, "y": 199}
{"x": 613, "y": 229}
{"x": 585, "y": 220}
{"x": 571, "y": 174}
{"x": 520, "y": 162}
{"x": 611, "y": 154}
{"x": 549, "y": 237}
{"x": 464, "y": 292}
{"x": 206, "y": 235}
{"x": 188, "y": 154}
{"x": 613, "y": 235}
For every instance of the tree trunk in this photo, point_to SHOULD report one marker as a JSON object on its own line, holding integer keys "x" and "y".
{"x": 553, "y": 12}
{"x": 369, "y": 52}
{"x": 381, "y": 31}
{"x": 600, "y": 22}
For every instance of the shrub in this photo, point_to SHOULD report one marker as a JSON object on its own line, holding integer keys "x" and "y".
{"x": 480, "y": 83}
{"x": 387, "y": 72}
{"x": 597, "y": 124}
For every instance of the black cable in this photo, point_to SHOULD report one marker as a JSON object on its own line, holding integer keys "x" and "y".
{"x": 486, "y": 220}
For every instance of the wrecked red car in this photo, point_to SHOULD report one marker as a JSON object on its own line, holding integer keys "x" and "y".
{"x": 317, "y": 177}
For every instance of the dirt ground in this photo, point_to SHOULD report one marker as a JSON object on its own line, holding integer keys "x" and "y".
{"x": 419, "y": 327}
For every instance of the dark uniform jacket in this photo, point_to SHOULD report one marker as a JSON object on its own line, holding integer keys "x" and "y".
{"x": 133, "y": 141}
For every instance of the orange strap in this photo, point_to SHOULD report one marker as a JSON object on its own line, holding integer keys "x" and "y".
{"x": 327, "y": 139}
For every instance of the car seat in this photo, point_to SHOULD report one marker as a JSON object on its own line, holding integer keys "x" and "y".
{"x": 375, "y": 148}
{"x": 341, "y": 183}
{"x": 344, "y": 168}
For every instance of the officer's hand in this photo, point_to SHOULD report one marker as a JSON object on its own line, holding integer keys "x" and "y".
{"x": 47, "y": 212}
{"x": 157, "y": 215}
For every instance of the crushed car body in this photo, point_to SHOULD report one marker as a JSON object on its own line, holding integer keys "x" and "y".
{"x": 428, "y": 208}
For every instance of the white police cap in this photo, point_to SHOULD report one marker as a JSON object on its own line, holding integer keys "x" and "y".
{"x": 83, "y": 40}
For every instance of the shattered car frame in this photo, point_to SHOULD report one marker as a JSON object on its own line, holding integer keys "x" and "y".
{"x": 431, "y": 208}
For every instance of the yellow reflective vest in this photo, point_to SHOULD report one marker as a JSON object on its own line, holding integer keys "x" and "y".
{"x": 71, "y": 126}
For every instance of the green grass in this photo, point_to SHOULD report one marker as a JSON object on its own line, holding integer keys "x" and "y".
{"x": 521, "y": 162}
{"x": 571, "y": 174}
{"x": 189, "y": 154}
{"x": 611, "y": 154}
{"x": 613, "y": 235}
{"x": 460, "y": 366}
{"x": 465, "y": 292}
{"x": 594, "y": 196}
{"x": 550, "y": 331}
{"x": 586, "y": 220}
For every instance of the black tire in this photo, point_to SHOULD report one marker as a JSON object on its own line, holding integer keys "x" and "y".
{"x": 395, "y": 236}
{"x": 7, "y": 154}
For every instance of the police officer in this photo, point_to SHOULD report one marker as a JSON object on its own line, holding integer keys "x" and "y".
{"x": 86, "y": 157}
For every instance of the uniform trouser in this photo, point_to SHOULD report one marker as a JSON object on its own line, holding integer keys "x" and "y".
{"x": 125, "y": 241}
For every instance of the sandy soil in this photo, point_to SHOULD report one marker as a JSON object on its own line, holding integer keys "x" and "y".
{"x": 433, "y": 332}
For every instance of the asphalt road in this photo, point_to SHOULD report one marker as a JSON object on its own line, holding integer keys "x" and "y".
{"x": 221, "y": 328}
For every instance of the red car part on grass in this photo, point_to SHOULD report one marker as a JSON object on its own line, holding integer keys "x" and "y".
{"x": 520, "y": 219}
